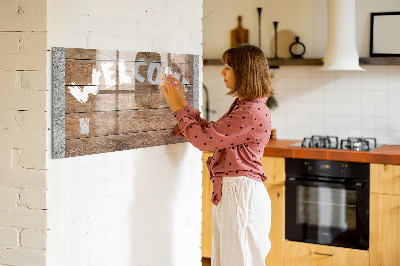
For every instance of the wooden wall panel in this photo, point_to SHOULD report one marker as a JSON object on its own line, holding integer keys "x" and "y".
{"x": 111, "y": 100}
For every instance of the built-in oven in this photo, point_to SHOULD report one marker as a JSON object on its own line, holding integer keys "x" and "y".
{"x": 327, "y": 202}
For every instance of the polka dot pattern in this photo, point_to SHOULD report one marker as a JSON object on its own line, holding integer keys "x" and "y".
{"x": 238, "y": 139}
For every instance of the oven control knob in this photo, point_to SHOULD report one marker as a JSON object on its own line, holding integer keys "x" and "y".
{"x": 308, "y": 166}
{"x": 343, "y": 168}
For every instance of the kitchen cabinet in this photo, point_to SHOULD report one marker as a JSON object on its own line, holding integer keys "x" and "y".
{"x": 206, "y": 226}
{"x": 385, "y": 214}
{"x": 385, "y": 178}
{"x": 274, "y": 168}
{"x": 305, "y": 254}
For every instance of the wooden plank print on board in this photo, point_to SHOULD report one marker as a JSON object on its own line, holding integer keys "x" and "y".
{"x": 105, "y": 100}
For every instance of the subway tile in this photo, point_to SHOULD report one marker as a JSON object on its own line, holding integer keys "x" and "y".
{"x": 317, "y": 107}
{"x": 303, "y": 131}
{"x": 355, "y": 122}
{"x": 317, "y": 94}
{"x": 304, "y": 82}
{"x": 355, "y": 109}
{"x": 329, "y": 83}
{"x": 355, "y": 132}
{"x": 317, "y": 120}
{"x": 304, "y": 108}
{"x": 342, "y": 122}
{"x": 381, "y": 123}
{"x": 394, "y": 97}
{"x": 380, "y": 71}
{"x": 382, "y": 136}
{"x": 367, "y": 82}
{"x": 329, "y": 109}
{"x": 354, "y": 81}
{"x": 394, "y": 123}
{"x": 394, "y": 70}
{"x": 381, "y": 97}
{"x": 382, "y": 110}
{"x": 394, "y": 83}
{"x": 304, "y": 72}
{"x": 342, "y": 96}
{"x": 367, "y": 133}
{"x": 367, "y": 122}
{"x": 394, "y": 137}
{"x": 278, "y": 83}
{"x": 369, "y": 70}
{"x": 292, "y": 82}
{"x": 329, "y": 94}
{"x": 342, "y": 109}
{"x": 291, "y": 71}
{"x": 280, "y": 72}
{"x": 328, "y": 74}
{"x": 394, "y": 110}
{"x": 380, "y": 84}
{"x": 316, "y": 72}
{"x": 355, "y": 96}
{"x": 342, "y": 80}
{"x": 329, "y": 122}
{"x": 368, "y": 110}
{"x": 342, "y": 133}
{"x": 316, "y": 83}
{"x": 305, "y": 95}
{"x": 293, "y": 120}
{"x": 317, "y": 131}
{"x": 367, "y": 96}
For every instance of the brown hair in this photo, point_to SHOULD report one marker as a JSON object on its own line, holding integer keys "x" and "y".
{"x": 250, "y": 66}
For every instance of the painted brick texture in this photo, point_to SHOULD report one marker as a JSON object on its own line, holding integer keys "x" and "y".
{"x": 23, "y": 126}
{"x": 133, "y": 207}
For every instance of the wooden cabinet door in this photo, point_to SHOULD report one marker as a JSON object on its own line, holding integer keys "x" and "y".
{"x": 385, "y": 178}
{"x": 277, "y": 233}
{"x": 384, "y": 236}
{"x": 206, "y": 226}
{"x": 274, "y": 168}
{"x": 305, "y": 254}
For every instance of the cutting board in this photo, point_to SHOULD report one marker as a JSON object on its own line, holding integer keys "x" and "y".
{"x": 239, "y": 35}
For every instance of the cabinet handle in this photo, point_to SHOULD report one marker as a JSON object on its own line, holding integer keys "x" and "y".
{"x": 325, "y": 254}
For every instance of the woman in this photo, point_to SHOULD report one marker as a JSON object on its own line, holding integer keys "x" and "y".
{"x": 242, "y": 208}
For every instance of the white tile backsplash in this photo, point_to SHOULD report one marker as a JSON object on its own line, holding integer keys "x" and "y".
{"x": 343, "y": 103}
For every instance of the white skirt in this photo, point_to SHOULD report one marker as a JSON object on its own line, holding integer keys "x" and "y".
{"x": 241, "y": 223}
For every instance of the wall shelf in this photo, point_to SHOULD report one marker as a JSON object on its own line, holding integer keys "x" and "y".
{"x": 380, "y": 61}
{"x": 274, "y": 63}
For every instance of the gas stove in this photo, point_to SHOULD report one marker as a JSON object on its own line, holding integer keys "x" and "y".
{"x": 332, "y": 142}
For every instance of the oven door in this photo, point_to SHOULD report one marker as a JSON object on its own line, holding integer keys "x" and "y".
{"x": 327, "y": 213}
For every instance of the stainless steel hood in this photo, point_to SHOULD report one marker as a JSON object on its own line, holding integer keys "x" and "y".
{"x": 341, "y": 51}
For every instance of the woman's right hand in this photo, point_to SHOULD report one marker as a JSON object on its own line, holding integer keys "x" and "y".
{"x": 178, "y": 84}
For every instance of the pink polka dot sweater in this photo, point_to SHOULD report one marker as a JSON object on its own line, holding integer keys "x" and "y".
{"x": 238, "y": 139}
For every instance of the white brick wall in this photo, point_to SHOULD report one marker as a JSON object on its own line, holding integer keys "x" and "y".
{"x": 136, "y": 207}
{"x": 23, "y": 132}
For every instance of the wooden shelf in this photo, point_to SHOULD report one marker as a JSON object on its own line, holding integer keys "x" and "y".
{"x": 273, "y": 63}
{"x": 380, "y": 61}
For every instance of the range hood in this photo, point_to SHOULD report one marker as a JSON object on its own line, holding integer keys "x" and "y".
{"x": 341, "y": 51}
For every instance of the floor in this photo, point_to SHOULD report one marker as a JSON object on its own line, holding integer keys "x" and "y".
{"x": 206, "y": 261}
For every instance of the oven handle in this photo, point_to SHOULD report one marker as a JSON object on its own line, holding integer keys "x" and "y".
{"x": 357, "y": 185}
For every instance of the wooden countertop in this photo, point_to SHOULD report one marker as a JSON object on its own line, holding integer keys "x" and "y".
{"x": 389, "y": 154}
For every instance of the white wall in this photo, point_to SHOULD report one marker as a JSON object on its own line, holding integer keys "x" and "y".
{"x": 305, "y": 18}
{"x": 23, "y": 132}
{"x": 136, "y": 207}
{"x": 311, "y": 102}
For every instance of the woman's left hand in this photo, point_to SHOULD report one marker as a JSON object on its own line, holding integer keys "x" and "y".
{"x": 169, "y": 87}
